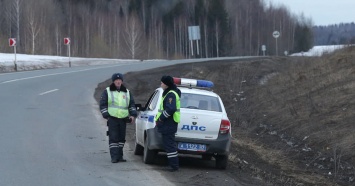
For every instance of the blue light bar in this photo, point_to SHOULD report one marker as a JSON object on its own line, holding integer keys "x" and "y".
{"x": 204, "y": 83}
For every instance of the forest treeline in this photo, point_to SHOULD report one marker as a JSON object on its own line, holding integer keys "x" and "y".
{"x": 336, "y": 34}
{"x": 142, "y": 29}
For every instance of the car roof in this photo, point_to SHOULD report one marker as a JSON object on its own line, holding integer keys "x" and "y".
{"x": 197, "y": 91}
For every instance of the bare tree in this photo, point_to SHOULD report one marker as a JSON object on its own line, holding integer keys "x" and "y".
{"x": 97, "y": 28}
{"x": 86, "y": 22}
{"x": 217, "y": 35}
{"x": 133, "y": 36}
{"x": 35, "y": 20}
{"x": 58, "y": 40}
{"x": 13, "y": 14}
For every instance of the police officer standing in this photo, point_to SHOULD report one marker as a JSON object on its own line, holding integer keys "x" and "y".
{"x": 118, "y": 107}
{"x": 168, "y": 118}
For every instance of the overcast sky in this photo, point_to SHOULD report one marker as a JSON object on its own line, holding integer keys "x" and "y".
{"x": 322, "y": 12}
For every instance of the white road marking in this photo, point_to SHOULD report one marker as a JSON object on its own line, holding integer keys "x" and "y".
{"x": 33, "y": 77}
{"x": 43, "y": 93}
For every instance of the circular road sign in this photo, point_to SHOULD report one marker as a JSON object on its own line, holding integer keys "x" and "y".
{"x": 276, "y": 34}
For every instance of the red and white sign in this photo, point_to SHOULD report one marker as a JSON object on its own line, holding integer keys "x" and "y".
{"x": 67, "y": 41}
{"x": 12, "y": 42}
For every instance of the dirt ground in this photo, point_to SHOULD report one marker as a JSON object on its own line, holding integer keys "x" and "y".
{"x": 292, "y": 119}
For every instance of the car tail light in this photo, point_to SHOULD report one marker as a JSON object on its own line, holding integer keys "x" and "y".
{"x": 225, "y": 126}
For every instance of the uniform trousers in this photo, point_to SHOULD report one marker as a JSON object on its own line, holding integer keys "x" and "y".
{"x": 117, "y": 137}
{"x": 171, "y": 149}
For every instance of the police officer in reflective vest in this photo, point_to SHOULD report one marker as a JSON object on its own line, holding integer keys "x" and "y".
{"x": 118, "y": 107}
{"x": 168, "y": 118}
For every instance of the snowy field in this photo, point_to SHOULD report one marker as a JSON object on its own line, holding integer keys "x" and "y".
{"x": 8, "y": 59}
{"x": 320, "y": 50}
{"x": 32, "y": 62}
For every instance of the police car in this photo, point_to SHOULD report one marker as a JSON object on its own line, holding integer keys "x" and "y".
{"x": 204, "y": 127}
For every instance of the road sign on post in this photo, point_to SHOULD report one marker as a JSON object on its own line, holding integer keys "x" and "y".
{"x": 276, "y": 34}
{"x": 67, "y": 42}
{"x": 263, "y": 48}
{"x": 12, "y": 43}
{"x": 194, "y": 34}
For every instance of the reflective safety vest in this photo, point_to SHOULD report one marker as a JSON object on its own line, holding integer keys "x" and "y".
{"x": 118, "y": 103}
{"x": 176, "y": 115}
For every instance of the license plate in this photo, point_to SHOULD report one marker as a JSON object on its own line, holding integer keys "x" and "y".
{"x": 192, "y": 147}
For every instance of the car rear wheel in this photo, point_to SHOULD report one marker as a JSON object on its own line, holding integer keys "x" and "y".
{"x": 221, "y": 161}
{"x": 149, "y": 155}
{"x": 138, "y": 150}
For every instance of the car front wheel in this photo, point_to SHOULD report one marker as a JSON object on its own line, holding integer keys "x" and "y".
{"x": 149, "y": 155}
{"x": 138, "y": 150}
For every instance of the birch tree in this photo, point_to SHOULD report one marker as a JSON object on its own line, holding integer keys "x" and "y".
{"x": 35, "y": 21}
{"x": 13, "y": 15}
{"x": 133, "y": 36}
{"x": 217, "y": 35}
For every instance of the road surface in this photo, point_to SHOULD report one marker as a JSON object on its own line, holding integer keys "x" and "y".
{"x": 53, "y": 134}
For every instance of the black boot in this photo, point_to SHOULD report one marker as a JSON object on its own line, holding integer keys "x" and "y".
{"x": 114, "y": 161}
{"x": 122, "y": 160}
{"x": 120, "y": 155}
{"x": 114, "y": 153}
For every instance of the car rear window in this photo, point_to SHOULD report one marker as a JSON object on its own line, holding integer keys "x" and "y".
{"x": 201, "y": 102}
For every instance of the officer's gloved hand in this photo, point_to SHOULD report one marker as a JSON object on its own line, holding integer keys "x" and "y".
{"x": 106, "y": 115}
{"x": 132, "y": 119}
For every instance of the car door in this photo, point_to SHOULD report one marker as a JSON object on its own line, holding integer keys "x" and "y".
{"x": 152, "y": 109}
{"x": 145, "y": 116}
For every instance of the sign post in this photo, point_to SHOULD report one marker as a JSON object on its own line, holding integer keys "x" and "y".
{"x": 67, "y": 42}
{"x": 194, "y": 34}
{"x": 12, "y": 43}
{"x": 276, "y": 34}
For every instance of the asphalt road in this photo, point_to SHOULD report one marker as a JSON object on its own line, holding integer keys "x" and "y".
{"x": 52, "y": 132}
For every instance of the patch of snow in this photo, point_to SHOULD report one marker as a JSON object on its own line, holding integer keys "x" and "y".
{"x": 32, "y": 62}
{"x": 320, "y": 50}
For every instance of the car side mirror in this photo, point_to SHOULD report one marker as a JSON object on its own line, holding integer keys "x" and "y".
{"x": 138, "y": 107}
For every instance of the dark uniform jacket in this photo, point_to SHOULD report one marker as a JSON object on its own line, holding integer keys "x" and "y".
{"x": 104, "y": 102}
{"x": 166, "y": 123}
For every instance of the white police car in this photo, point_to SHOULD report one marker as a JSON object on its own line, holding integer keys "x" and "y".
{"x": 204, "y": 127}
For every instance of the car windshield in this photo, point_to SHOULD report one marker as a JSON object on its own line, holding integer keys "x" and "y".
{"x": 201, "y": 102}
